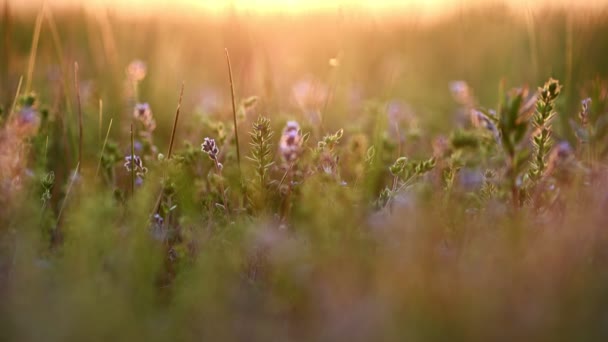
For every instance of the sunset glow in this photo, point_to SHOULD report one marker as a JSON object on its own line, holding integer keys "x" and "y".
{"x": 426, "y": 7}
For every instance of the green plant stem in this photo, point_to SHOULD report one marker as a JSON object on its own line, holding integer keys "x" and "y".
{"x": 222, "y": 189}
{"x": 33, "y": 51}
{"x": 67, "y": 194}
{"x": 16, "y": 97}
{"x": 179, "y": 105}
{"x": 103, "y": 147}
{"x": 236, "y": 132}
{"x": 173, "y": 133}
{"x": 132, "y": 162}
{"x": 80, "y": 128}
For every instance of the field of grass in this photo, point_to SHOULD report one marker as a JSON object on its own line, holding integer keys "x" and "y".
{"x": 295, "y": 178}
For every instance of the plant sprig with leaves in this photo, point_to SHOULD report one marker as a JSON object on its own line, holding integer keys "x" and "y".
{"x": 541, "y": 140}
{"x": 513, "y": 126}
{"x": 261, "y": 156}
{"x": 405, "y": 172}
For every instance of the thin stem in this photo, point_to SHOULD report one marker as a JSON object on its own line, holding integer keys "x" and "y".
{"x": 46, "y": 149}
{"x": 286, "y": 172}
{"x": 332, "y": 80}
{"x": 132, "y": 162}
{"x": 287, "y": 200}
{"x": 179, "y": 105}
{"x": 532, "y": 41}
{"x": 79, "y": 113}
{"x": 103, "y": 147}
{"x": 395, "y": 190}
{"x": 33, "y": 51}
{"x": 67, "y": 194}
{"x": 236, "y": 134}
{"x": 16, "y": 97}
{"x": 224, "y": 199}
{"x": 58, "y": 51}
{"x": 5, "y": 50}
{"x": 100, "y": 117}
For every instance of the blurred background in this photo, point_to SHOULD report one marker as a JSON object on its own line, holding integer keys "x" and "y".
{"x": 292, "y": 53}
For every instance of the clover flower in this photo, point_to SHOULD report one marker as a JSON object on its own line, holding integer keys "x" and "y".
{"x": 210, "y": 147}
{"x": 584, "y": 113}
{"x": 136, "y": 70}
{"x": 135, "y": 162}
{"x": 143, "y": 114}
{"x": 480, "y": 120}
{"x": 291, "y": 141}
{"x": 461, "y": 92}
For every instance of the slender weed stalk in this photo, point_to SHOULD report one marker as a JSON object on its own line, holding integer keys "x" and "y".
{"x": 77, "y": 86}
{"x": 173, "y": 133}
{"x": 67, "y": 193}
{"x": 100, "y": 118}
{"x": 332, "y": 78}
{"x": 57, "y": 45}
{"x": 17, "y": 93}
{"x": 5, "y": 52}
{"x": 179, "y": 105}
{"x": 132, "y": 161}
{"x": 103, "y": 147}
{"x": 236, "y": 131}
{"x": 34, "y": 50}
{"x": 530, "y": 26}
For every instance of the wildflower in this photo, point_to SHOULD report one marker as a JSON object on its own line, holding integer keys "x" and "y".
{"x": 143, "y": 113}
{"x": 562, "y": 162}
{"x": 209, "y": 146}
{"x": 136, "y": 70}
{"x": 138, "y": 146}
{"x": 28, "y": 115}
{"x": 135, "y": 162}
{"x": 461, "y": 92}
{"x": 291, "y": 141}
{"x": 480, "y": 120}
{"x": 157, "y": 230}
{"x": 584, "y": 114}
{"x": 158, "y": 220}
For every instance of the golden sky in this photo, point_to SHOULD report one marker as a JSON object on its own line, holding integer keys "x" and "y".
{"x": 425, "y": 7}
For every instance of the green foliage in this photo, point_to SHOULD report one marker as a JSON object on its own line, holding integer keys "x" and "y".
{"x": 541, "y": 141}
{"x": 261, "y": 144}
{"x": 47, "y": 183}
{"x": 261, "y": 156}
{"x": 513, "y": 127}
{"x": 407, "y": 223}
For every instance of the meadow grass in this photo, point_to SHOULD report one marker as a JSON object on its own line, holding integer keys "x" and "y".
{"x": 355, "y": 180}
